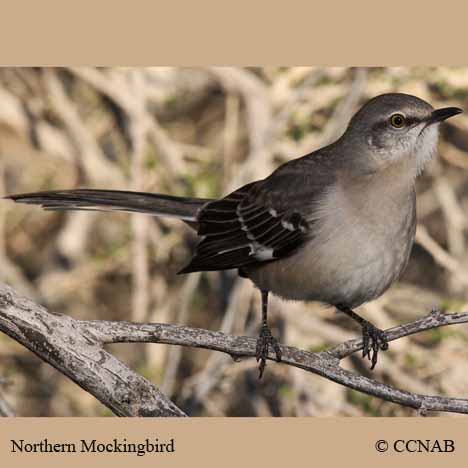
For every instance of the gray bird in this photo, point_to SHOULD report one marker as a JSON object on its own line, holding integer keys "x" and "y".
{"x": 334, "y": 226}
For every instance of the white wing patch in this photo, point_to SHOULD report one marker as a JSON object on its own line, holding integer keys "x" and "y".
{"x": 257, "y": 250}
{"x": 262, "y": 253}
{"x": 287, "y": 225}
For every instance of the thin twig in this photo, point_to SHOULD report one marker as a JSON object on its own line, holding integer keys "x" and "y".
{"x": 5, "y": 409}
{"x": 439, "y": 255}
{"x": 325, "y": 363}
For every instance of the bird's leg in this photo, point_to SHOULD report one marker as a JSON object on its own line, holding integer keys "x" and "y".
{"x": 373, "y": 339}
{"x": 265, "y": 338}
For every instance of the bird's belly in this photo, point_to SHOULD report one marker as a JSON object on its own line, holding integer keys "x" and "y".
{"x": 351, "y": 268}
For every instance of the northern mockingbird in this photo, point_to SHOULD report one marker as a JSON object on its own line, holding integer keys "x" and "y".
{"x": 334, "y": 226}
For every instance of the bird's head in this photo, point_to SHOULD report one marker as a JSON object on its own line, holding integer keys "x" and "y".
{"x": 398, "y": 127}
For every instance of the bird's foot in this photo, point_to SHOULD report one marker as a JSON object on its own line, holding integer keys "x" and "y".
{"x": 264, "y": 340}
{"x": 373, "y": 340}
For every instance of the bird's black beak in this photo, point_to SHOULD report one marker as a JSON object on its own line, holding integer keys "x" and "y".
{"x": 442, "y": 114}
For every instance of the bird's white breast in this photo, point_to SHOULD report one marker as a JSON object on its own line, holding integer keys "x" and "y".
{"x": 358, "y": 249}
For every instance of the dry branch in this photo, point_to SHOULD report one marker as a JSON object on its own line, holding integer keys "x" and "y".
{"x": 75, "y": 348}
{"x": 67, "y": 345}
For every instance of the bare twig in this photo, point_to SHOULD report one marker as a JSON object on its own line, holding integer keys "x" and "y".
{"x": 113, "y": 86}
{"x": 74, "y": 347}
{"x": 259, "y": 115}
{"x": 175, "y": 354}
{"x": 8, "y": 270}
{"x": 199, "y": 385}
{"x": 325, "y": 363}
{"x": 139, "y": 223}
{"x": 98, "y": 169}
{"x": 439, "y": 255}
{"x": 5, "y": 409}
{"x": 346, "y": 108}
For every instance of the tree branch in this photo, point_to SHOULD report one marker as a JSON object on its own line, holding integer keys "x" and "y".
{"x": 67, "y": 345}
{"x": 74, "y": 347}
{"x": 325, "y": 363}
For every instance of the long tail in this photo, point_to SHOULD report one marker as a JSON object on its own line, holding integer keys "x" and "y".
{"x": 115, "y": 200}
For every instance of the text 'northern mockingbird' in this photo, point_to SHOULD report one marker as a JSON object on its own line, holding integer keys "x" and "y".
{"x": 334, "y": 226}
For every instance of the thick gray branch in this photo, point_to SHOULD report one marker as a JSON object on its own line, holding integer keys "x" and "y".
{"x": 67, "y": 345}
{"x": 74, "y": 347}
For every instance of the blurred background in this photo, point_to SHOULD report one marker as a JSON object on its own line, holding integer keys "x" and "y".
{"x": 205, "y": 132}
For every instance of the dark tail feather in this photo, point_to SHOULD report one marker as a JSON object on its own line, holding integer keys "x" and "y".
{"x": 115, "y": 200}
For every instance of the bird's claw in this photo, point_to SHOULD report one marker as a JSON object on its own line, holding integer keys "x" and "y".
{"x": 373, "y": 340}
{"x": 264, "y": 340}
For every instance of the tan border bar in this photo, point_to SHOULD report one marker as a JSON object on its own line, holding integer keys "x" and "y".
{"x": 260, "y": 32}
{"x": 214, "y": 442}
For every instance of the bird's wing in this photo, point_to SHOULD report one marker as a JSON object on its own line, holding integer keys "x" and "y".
{"x": 240, "y": 230}
{"x": 260, "y": 222}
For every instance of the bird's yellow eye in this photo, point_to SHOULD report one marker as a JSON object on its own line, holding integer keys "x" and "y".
{"x": 398, "y": 120}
